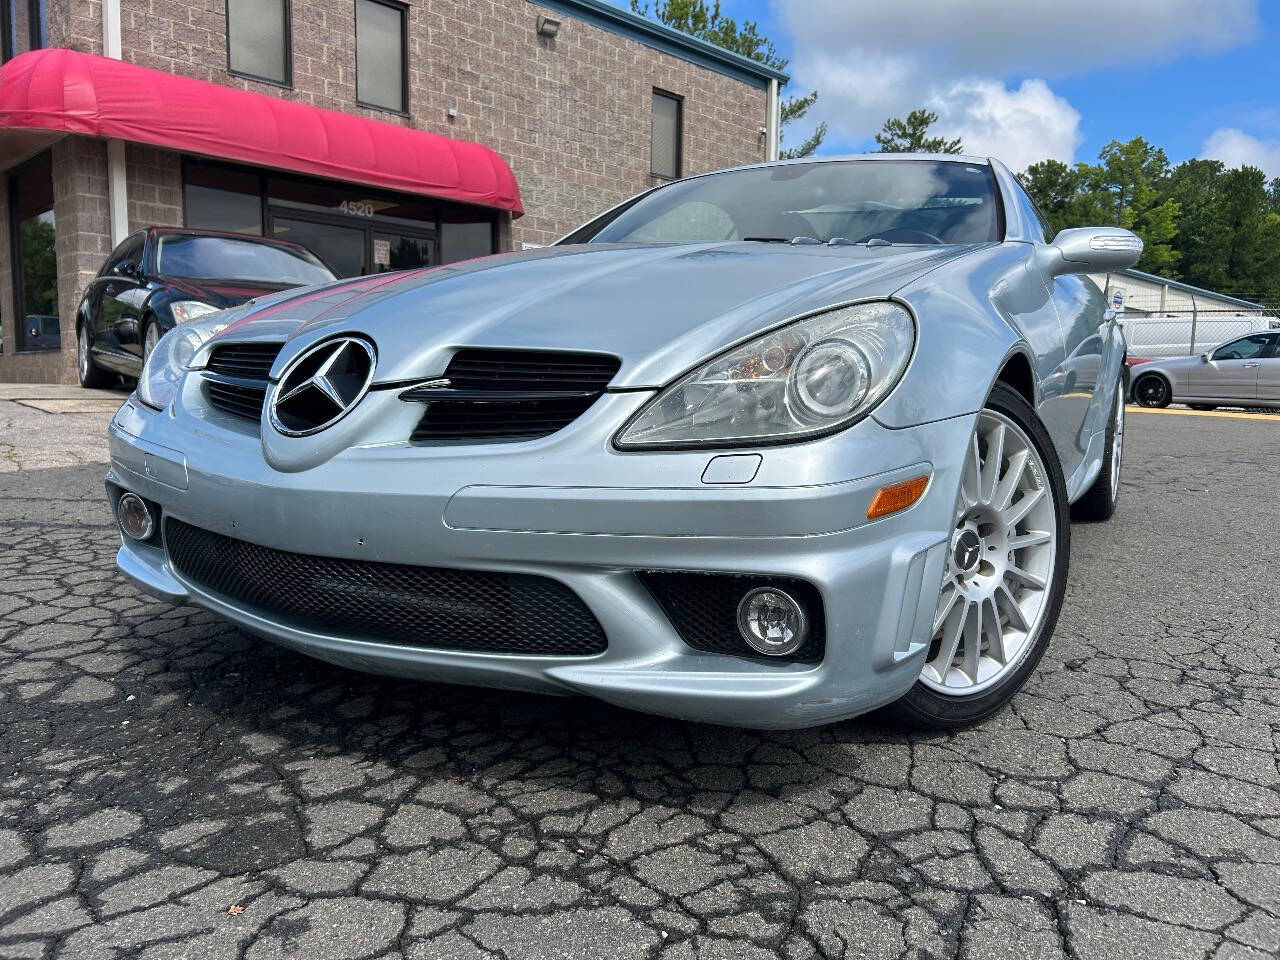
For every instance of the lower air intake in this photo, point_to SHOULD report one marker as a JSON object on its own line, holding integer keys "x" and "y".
{"x": 365, "y": 600}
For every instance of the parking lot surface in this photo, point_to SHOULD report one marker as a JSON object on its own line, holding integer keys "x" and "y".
{"x": 175, "y": 788}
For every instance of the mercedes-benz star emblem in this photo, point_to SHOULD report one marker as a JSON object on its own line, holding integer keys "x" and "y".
{"x": 967, "y": 549}
{"x": 322, "y": 385}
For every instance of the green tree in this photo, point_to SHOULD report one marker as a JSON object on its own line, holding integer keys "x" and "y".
{"x": 1060, "y": 192}
{"x": 707, "y": 22}
{"x": 912, "y": 135}
{"x": 39, "y": 267}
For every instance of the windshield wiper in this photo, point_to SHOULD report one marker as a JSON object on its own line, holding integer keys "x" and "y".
{"x": 794, "y": 241}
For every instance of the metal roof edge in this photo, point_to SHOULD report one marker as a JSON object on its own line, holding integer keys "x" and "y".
{"x": 660, "y": 37}
{"x": 1189, "y": 288}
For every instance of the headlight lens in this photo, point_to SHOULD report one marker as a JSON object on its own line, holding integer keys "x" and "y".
{"x": 164, "y": 369}
{"x": 807, "y": 378}
{"x": 184, "y": 311}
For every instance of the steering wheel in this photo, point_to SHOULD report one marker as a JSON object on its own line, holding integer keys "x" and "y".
{"x": 904, "y": 235}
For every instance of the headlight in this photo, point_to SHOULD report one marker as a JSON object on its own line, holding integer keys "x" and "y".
{"x": 164, "y": 369}
{"x": 810, "y": 377}
{"x": 184, "y": 311}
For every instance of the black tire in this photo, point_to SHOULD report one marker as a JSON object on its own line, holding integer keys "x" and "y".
{"x": 1202, "y": 406}
{"x": 922, "y": 707}
{"x": 1099, "y": 502}
{"x": 1152, "y": 390}
{"x": 91, "y": 375}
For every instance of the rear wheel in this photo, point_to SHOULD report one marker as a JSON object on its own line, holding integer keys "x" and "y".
{"x": 1099, "y": 501}
{"x": 1152, "y": 390}
{"x": 1006, "y": 571}
{"x": 90, "y": 375}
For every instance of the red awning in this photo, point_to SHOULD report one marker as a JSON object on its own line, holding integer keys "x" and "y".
{"x": 71, "y": 92}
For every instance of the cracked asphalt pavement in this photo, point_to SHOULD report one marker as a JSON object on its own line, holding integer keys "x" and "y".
{"x": 174, "y": 788}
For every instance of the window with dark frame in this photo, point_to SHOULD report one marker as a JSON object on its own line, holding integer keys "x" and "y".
{"x": 32, "y": 239}
{"x": 382, "y": 78}
{"x": 22, "y": 27}
{"x": 259, "y": 41}
{"x": 665, "y": 148}
{"x": 36, "y": 24}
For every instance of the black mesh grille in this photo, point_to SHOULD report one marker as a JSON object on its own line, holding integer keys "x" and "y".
{"x": 250, "y": 360}
{"x": 419, "y": 606}
{"x": 703, "y": 607}
{"x": 236, "y": 377}
{"x": 511, "y": 394}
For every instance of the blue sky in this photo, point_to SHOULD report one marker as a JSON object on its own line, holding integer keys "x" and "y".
{"x": 1023, "y": 79}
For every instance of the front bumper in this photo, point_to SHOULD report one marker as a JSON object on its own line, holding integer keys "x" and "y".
{"x": 571, "y": 508}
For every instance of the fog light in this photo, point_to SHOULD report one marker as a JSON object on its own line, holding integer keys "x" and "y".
{"x": 772, "y": 622}
{"x": 135, "y": 517}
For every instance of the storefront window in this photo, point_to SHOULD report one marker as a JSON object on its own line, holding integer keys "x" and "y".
{"x": 465, "y": 241}
{"x": 221, "y": 199}
{"x": 355, "y": 230}
{"x": 33, "y": 239}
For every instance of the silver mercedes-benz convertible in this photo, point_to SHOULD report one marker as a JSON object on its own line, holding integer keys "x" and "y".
{"x": 768, "y": 447}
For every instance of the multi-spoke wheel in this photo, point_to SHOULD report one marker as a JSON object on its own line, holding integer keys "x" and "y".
{"x": 1005, "y": 571}
{"x": 90, "y": 374}
{"x": 1152, "y": 390}
{"x": 149, "y": 340}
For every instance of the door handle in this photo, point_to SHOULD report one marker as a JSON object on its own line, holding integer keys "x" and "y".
{"x": 1248, "y": 365}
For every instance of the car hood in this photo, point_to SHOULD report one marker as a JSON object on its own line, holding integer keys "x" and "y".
{"x": 659, "y": 308}
{"x": 219, "y": 293}
{"x": 1166, "y": 363}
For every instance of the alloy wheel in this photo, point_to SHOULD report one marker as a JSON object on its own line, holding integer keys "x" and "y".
{"x": 82, "y": 353}
{"x": 149, "y": 341}
{"x": 1117, "y": 448}
{"x": 1000, "y": 566}
{"x": 1152, "y": 391}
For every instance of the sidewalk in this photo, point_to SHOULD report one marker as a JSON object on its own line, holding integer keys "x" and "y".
{"x": 61, "y": 398}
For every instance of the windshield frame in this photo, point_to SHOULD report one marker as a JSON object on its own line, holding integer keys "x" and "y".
{"x": 585, "y": 233}
{"x": 300, "y": 253}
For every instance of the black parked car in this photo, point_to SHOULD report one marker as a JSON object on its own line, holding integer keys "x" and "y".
{"x": 163, "y": 276}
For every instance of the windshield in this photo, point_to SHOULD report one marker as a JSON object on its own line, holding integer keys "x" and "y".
{"x": 855, "y": 201}
{"x": 225, "y": 258}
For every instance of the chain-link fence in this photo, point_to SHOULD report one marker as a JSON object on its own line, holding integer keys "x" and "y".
{"x": 1167, "y": 321}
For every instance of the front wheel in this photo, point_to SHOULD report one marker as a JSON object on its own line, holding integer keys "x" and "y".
{"x": 149, "y": 340}
{"x": 90, "y": 374}
{"x": 1005, "y": 575}
{"x": 1152, "y": 390}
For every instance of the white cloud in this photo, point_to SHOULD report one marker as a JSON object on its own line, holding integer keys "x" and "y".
{"x": 1018, "y": 126}
{"x": 1236, "y": 148}
{"x": 871, "y": 61}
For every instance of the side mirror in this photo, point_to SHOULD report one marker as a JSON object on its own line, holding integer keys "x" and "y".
{"x": 127, "y": 269}
{"x": 1204, "y": 357}
{"x": 1091, "y": 250}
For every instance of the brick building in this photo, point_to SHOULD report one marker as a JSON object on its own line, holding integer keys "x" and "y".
{"x": 415, "y": 113}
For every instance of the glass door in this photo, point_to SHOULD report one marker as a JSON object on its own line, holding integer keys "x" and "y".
{"x": 340, "y": 246}
{"x": 396, "y": 250}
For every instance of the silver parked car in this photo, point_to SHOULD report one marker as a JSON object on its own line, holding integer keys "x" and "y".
{"x": 771, "y": 447}
{"x": 1244, "y": 372}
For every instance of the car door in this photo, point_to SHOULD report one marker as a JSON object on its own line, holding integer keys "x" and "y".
{"x": 1269, "y": 372}
{"x": 1068, "y": 395}
{"x": 1231, "y": 370}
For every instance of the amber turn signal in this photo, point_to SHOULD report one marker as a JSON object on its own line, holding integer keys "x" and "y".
{"x": 896, "y": 496}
